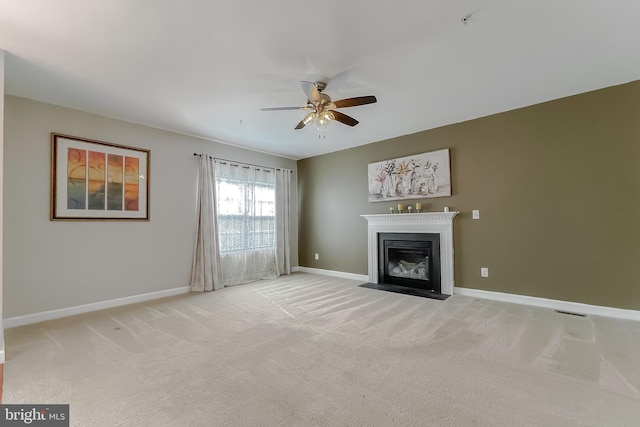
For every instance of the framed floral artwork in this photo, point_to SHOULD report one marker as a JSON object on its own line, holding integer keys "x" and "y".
{"x": 94, "y": 180}
{"x": 413, "y": 177}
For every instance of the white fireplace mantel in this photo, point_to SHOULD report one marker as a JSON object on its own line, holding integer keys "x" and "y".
{"x": 427, "y": 222}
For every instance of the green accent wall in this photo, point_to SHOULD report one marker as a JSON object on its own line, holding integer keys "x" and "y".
{"x": 557, "y": 185}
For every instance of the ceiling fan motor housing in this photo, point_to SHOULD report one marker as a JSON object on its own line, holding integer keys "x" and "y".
{"x": 324, "y": 99}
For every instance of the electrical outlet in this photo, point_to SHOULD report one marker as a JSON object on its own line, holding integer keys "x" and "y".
{"x": 317, "y": 257}
{"x": 484, "y": 272}
{"x": 475, "y": 214}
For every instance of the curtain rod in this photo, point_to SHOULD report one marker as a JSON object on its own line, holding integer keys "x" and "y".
{"x": 248, "y": 164}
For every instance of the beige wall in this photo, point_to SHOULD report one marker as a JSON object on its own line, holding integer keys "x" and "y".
{"x": 557, "y": 185}
{"x": 53, "y": 265}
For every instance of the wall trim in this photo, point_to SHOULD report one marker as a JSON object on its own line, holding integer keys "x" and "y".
{"x": 362, "y": 277}
{"x": 573, "y": 307}
{"x": 28, "y": 319}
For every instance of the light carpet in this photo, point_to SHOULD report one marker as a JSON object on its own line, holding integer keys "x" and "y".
{"x": 310, "y": 350}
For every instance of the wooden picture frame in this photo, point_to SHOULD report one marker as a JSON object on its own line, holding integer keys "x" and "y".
{"x": 95, "y": 180}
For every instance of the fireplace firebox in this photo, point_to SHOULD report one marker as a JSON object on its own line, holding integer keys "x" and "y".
{"x": 410, "y": 260}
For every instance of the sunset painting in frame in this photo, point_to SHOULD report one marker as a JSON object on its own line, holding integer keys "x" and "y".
{"x": 95, "y": 180}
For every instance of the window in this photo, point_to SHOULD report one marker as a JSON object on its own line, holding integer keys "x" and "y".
{"x": 246, "y": 209}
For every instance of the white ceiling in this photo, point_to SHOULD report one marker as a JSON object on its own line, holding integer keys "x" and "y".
{"x": 206, "y": 67}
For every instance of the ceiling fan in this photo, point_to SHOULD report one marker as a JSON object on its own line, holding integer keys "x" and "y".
{"x": 322, "y": 108}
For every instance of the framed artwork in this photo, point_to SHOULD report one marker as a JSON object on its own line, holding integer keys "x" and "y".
{"x": 413, "y": 177}
{"x": 94, "y": 180}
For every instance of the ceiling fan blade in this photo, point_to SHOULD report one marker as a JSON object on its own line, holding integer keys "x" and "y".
{"x": 300, "y": 125}
{"x": 282, "y": 108}
{"x": 311, "y": 91}
{"x": 343, "y": 118}
{"x": 353, "y": 102}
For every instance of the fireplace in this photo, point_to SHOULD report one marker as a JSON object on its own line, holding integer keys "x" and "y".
{"x": 409, "y": 259}
{"x": 420, "y": 229}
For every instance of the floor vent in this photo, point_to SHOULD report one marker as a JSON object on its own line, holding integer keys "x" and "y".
{"x": 571, "y": 314}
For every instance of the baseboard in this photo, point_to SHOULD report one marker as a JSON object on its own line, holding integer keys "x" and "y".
{"x": 28, "y": 319}
{"x": 332, "y": 273}
{"x": 573, "y": 307}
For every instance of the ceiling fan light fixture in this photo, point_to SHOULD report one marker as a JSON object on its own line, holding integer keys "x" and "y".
{"x": 309, "y": 118}
{"x": 323, "y": 120}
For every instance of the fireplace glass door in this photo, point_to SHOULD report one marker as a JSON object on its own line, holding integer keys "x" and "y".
{"x": 410, "y": 259}
{"x": 412, "y": 263}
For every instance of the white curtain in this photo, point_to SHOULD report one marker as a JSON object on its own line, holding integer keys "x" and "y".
{"x": 283, "y": 234}
{"x": 205, "y": 272}
{"x": 246, "y": 222}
